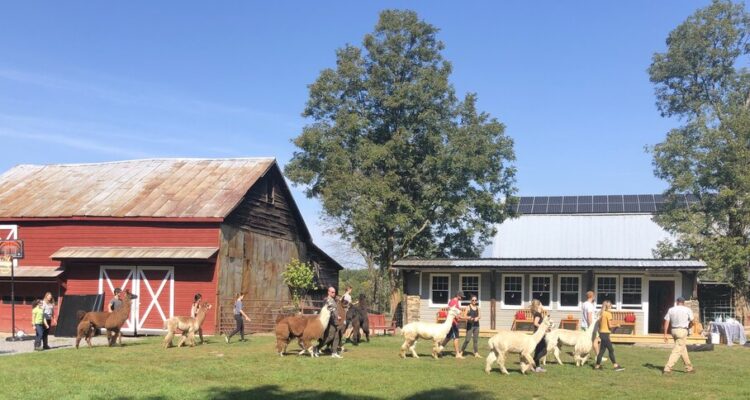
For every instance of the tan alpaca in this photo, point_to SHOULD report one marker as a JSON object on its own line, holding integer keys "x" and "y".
{"x": 188, "y": 325}
{"x": 515, "y": 342}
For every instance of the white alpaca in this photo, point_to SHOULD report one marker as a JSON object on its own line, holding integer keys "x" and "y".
{"x": 427, "y": 330}
{"x": 580, "y": 340}
{"x": 515, "y": 342}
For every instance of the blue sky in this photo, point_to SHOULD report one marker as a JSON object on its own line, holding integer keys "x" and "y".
{"x": 88, "y": 82}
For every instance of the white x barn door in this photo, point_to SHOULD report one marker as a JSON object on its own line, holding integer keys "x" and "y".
{"x": 154, "y": 287}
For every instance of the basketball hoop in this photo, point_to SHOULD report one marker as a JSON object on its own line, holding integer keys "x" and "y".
{"x": 10, "y": 250}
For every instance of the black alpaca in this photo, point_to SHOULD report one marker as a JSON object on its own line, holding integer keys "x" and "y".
{"x": 357, "y": 315}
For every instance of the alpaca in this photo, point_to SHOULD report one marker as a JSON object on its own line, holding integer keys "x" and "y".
{"x": 306, "y": 328}
{"x": 332, "y": 332}
{"x": 580, "y": 340}
{"x": 357, "y": 315}
{"x": 427, "y": 330}
{"x": 85, "y": 329}
{"x": 116, "y": 319}
{"x": 188, "y": 325}
{"x": 515, "y": 342}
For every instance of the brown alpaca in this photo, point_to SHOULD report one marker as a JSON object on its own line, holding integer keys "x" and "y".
{"x": 188, "y": 325}
{"x": 307, "y": 328}
{"x": 88, "y": 323}
{"x": 85, "y": 329}
{"x": 116, "y": 319}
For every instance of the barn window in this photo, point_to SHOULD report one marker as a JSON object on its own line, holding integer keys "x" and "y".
{"x": 570, "y": 291}
{"x": 470, "y": 287}
{"x": 541, "y": 289}
{"x": 631, "y": 292}
{"x": 512, "y": 290}
{"x": 270, "y": 190}
{"x": 606, "y": 289}
{"x": 439, "y": 288}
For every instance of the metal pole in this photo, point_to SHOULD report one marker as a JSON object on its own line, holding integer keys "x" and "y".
{"x": 13, "y": 299}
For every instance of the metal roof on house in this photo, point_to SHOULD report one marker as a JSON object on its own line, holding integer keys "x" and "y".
{"x": 549, "y": 263}
{"x": 609, "y": 236}
{"x": 601, "y": 204}
{"x": 161, "y": 188}
{"x": 183, "y": 253}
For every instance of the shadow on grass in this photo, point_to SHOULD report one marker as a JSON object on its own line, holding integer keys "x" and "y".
{"x": 273, "y": 392}
{"x": 652, "y": 366}
{"x": 461, "y": 392}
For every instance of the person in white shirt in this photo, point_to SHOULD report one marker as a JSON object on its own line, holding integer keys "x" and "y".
{"x": 589, "y": 313}
{"x": 680, "y": 318}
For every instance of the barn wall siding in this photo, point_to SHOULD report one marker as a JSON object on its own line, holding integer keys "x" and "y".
{"x": 42, "y": 239}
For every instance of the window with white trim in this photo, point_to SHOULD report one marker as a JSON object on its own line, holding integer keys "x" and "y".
{"x": 439, "y": 288}
{"x": 631, "y": 292}
{"x": 541, "y": 289}
{"x": 513, "y": 290}
{"x": 470, "y": 287}
{"x": 606, "y": 289}
{"x": 569, "y": 291}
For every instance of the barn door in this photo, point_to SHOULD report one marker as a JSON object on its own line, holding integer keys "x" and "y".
{"x": 154, "y": 287}
{"x": 123, "y": 277}
{"x": 155, "y": 298}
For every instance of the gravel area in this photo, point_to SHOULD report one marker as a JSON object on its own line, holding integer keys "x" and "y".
{"x": 56, "y": 343}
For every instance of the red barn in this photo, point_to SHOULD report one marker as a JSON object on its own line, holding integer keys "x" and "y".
{"x": 163, "y": 228}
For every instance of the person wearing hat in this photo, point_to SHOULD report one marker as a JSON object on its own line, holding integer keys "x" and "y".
{"x": 680, "y": 318}
{"x": 455, "y": 302}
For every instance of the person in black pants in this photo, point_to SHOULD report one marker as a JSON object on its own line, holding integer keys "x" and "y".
{"x": 48, "y": 308}
{"x": 472, "y": 326}
{"x": 239, "y": 315}
{"x": 605, "y": 328}
{"x": 541, "y": 347}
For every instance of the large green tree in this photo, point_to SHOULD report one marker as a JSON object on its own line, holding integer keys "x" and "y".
{"x": 701, "y": 80}
{"x": 401, "y": 165}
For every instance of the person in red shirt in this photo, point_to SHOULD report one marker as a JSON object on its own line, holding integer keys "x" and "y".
{"x": 455, "y": 302}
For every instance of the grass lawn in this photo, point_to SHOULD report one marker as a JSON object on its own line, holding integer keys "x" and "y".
{"x": 371, "y": 371}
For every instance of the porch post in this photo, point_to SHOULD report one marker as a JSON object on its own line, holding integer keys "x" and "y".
{"x": 493, "y": 297}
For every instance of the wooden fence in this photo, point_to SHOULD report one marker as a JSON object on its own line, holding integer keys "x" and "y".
{"x": 262, "y": 313}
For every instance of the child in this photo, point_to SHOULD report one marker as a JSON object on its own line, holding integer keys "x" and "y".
{"x": 39, "y": 323}
{"x": 605, "y": 323}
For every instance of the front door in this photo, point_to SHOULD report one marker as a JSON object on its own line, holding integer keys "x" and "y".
{"x": 660, "y": 298}
{"x": 154, "y": 287}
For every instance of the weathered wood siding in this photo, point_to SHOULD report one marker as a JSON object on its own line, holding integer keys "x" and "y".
{"x": 268, "y": 209}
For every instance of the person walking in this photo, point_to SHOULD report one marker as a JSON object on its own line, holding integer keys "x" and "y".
{"x": 194, "y": 312}
{"x": 588, "y": 309}
{"x": 332, "y": 331}
{"x": 239, "y": 318}
{"x": 115, "y": 303}
{"x": 605, "y": 325}
{"x": 455, "y": 302}
{"x": 680, "y": 318}
{"x": 38, "y": 322}
{"x": 472, "y": 326}
{"x": 48, "y": 309}
{"x": 537, "y": 316}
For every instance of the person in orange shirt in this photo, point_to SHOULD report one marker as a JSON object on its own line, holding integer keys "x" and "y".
{"x": 605, "y": 325}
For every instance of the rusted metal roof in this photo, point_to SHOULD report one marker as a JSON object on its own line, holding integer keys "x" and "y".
{"x": 184, "y": 253}
{"x": 157, "y": 188}
{"x": 32, "y": 272}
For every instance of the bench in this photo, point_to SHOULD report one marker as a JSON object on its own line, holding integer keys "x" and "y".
{"x": 525, "y": 324}
{"x": 377, "y": 323}
{"x": 619, "y": 325}
{"x": 442, "y": 314}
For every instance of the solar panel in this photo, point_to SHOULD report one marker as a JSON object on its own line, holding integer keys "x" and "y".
{"x": 631, "y": 203}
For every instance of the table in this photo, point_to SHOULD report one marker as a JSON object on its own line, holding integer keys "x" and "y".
{"x": 731, "y": 331}
{"x": 571, "y": 324}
